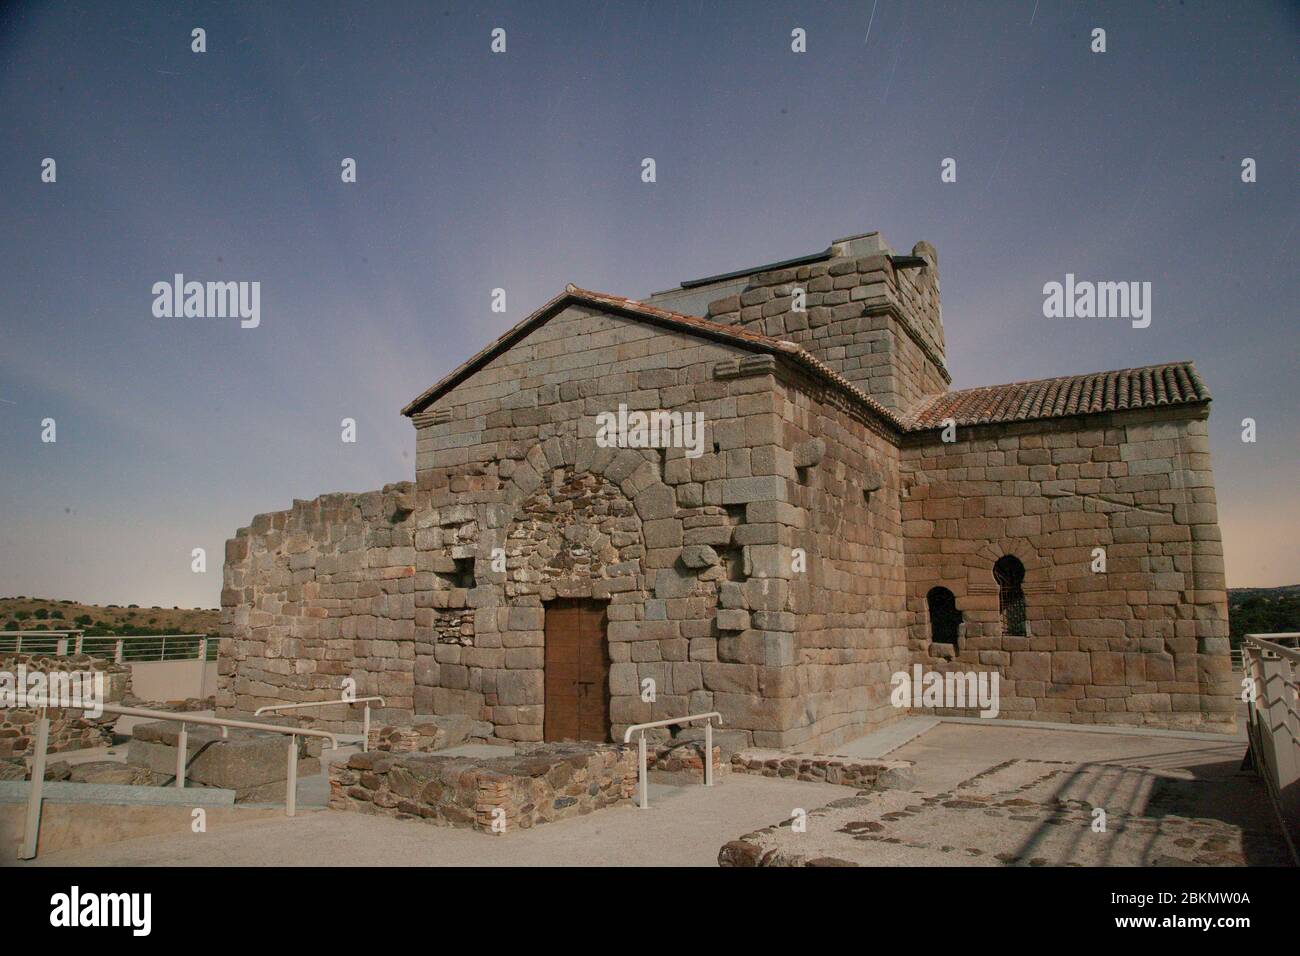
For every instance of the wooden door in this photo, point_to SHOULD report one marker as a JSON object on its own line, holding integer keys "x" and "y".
{"x": 577, "y": 672}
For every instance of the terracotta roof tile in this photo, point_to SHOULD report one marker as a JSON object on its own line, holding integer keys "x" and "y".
{"x": 1174, "y": 383}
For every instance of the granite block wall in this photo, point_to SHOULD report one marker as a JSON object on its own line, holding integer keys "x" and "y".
{"x": 1144, "y": 642}
{"x": 317, "y": 595}
{"x": 877, "y": 325}
{"x": 846, "y": 604}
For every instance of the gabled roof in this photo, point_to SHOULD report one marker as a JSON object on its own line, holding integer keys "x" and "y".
{"x": 1150, "y": 386}
{"x": 643, "y": 312}
{"x": 1174, "y": 383}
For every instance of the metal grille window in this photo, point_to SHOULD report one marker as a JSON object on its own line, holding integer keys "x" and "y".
{"x": 1009, "y": 572}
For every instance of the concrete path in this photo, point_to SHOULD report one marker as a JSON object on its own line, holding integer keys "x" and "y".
{"x": 952, "y": 752}
{"x": 882, "y": 742}
{"x": 992, "y": 794}
{"x": 986, "y": 793}
{"x": 684, "y": 826}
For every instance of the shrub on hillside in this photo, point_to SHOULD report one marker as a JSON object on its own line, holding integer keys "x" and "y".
{"x": 1255, "y": 613}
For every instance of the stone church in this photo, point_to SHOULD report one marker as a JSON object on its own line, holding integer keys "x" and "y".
{"x": 843, "y": 516}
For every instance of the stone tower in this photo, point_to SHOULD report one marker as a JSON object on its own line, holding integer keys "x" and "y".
{"x": 870, "y": 314}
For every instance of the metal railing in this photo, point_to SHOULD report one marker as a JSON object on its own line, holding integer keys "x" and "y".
{"x": 151, "y": 648}
{"x": 365, "y": 723}
{"x": 56, "y": 642}
{"x": 127, "y": 649}
{"x": 1273, "y": 700}
{"x": 643, "y": 783}
{"x": 33, "y": 825}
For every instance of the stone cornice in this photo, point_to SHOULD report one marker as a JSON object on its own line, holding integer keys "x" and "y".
{"x": 893, "y": 311}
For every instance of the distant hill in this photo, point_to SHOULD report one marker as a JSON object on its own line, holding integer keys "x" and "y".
{"x": 1250, "y": 611}
{"x": 1263, "y": 610}
{"x": 45, "y": 614}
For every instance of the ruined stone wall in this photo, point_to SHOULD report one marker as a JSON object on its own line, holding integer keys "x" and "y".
{"x": 877, "y": 326}
{"x": 322, "y": 592}
{"x": 69, "y": 729}
{"x": 1145, "y": 642}
{"x": 846, "y": 610}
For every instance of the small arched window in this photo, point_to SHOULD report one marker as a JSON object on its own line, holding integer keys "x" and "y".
{"x": 945, "y": 619}
{"x": 1009, "y": 572}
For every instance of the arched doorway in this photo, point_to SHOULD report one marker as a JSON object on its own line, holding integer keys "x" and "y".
{"x": 574, "y": 542}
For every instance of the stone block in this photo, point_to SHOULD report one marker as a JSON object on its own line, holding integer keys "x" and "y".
{"x": 732, "y": 620}
{"x": 699, "y": 556}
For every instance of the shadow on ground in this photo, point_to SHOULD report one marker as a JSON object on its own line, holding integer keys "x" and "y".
{"x": 1114, "y": 800}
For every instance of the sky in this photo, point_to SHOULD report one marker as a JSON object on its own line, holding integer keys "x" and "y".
{"x": 522, "y": 171}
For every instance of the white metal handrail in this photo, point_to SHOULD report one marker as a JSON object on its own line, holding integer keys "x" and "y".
{"x": 28, "y": 849}
{"x": 365, "y": 723}
{"x": 128, "y": 648}
{"x": 1271, "y": 642}
{"x": 151, "y": 648}
{"x": 642, "y": 774}
{"x": 1273, "y": 672}
{"x": 54, "y": 641}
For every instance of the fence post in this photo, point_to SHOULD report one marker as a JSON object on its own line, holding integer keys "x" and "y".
{"x": 708, "y": 752}
{"x": 642, "y": 773}
{"x": 33, "y": 828}
{"x": 118, "y": 646}
{"x": 61, "y": 647}
{"x": 81, "y": 639}
{"x": 291, "y": 793}
{"x": 1277, "y": 683}
{"x": 18, "y": 644}
{"x": 182, "y": 752}
{"x": 203, "y": 649}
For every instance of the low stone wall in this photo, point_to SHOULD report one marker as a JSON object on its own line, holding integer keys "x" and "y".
{"x": 69, "y": 729}
{"x": 822, "y": 768}
{"x": 546, "y": 783}
{"x": 685, "y": 758}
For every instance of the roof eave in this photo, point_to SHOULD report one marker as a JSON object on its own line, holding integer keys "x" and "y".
{"x": 574, "y": 296}
{"x": 915, "y": 431}
{"x": 476, "y": 361}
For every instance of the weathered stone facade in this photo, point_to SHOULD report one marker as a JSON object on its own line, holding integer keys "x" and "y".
{"x": 780, "y": 576}
{"x": 1145, "y": 642}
